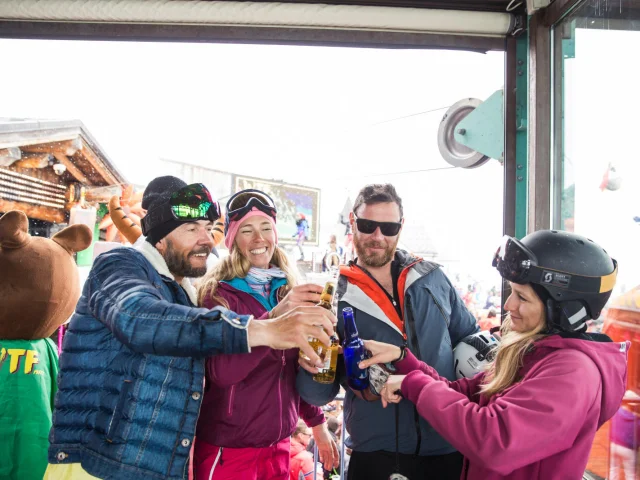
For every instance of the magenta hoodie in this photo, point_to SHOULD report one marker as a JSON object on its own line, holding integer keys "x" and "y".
{"x": 540, "y": 428}
{"x": 250, "y": 400}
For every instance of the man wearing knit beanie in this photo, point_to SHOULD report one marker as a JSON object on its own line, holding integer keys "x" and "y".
{"x": 158, "y": 192}
{"x": 132, "y": 375}
{"x": 185, "y": 246}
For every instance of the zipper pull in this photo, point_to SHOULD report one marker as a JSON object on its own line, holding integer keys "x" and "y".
{"x": 283, "y": 365}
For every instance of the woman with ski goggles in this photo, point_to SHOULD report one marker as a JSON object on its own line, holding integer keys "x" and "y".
{"x": 534, "y": 412}
{"x": 251, "y": 406}
{"x": 243, "y": 202}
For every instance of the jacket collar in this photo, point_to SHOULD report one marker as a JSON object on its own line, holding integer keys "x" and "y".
{"x": 363, "y": 293}
{"x": 242, "y": 285}
{"x": 157, "y": 261}
{"x": 405, "y": 259}
{"x": 373, "y": 303}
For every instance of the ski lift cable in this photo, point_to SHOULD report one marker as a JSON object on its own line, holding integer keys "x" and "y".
{"x": 409, "y": 116}
{"x": 404, "y": 172}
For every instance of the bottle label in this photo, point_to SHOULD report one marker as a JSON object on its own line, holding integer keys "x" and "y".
{"x": 363, "y": 372}
{"x": 357, "y": 378}
{"x": 327, "y": 363}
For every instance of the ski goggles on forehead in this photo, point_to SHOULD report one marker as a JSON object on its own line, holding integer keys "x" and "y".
{"x": 246, "y": 200}
{"x": 517, "y": 264}
{"x": 388, "y": 229}
{"x": 191, "y": 203}
{"x": 513, "y": 260}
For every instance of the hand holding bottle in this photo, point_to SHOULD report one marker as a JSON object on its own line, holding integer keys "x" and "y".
{"x": 380, "y": 353}
{"x": 325, "y": 373}
{"x": 293, "y": 329}
{"x": 391, "y": 391}
{"x": 299, "y": 296}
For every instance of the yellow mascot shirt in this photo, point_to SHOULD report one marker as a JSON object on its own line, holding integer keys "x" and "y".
{"x": 68, "y": 471}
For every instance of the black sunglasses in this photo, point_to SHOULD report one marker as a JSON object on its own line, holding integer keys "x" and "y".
{"x": 388, "y": 229}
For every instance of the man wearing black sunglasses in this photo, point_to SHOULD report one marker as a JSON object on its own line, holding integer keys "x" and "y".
{"x": 132, "y": 372}
{"x": 405, "y": 301}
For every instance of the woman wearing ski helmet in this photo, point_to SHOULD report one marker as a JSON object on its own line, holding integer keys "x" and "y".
{"x": 534, "y": 412}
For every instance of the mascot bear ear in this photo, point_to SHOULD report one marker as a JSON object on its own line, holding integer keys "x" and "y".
{"x": 14, "y": 230}
{"x": 74, "y": 238}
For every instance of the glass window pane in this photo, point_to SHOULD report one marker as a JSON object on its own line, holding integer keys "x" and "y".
{"x": 597, "y": 184}
{"x": 310, "y": 124}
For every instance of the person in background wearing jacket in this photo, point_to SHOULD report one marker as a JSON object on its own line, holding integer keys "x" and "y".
{"x": 625, "y": 439}
{"x": 333, "y": 425}
{"x": 301, "y": 460}
{"x": 302, "y": 232}
{"x": 251, "y": 406}
{"x": 533, "y": 414}
{"x": 131, "y": 375}
{"x": 332, "y": 255}
{"x": 398, "y": 299}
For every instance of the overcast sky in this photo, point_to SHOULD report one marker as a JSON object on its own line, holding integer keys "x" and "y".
{"x": 601, "y": 121}
{"x": 322, "y": 117}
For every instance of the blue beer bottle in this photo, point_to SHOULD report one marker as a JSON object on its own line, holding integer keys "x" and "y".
{"x": 354, "y": 353}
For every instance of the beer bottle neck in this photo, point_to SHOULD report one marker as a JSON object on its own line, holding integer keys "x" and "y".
{"x": 350, "y": 329}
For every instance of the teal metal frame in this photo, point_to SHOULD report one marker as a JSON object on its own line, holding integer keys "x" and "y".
{"x": 522, "y": 109}
{"x": 563, "y": 199}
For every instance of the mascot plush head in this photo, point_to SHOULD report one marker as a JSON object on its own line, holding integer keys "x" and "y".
{"x": 39, "y": 283}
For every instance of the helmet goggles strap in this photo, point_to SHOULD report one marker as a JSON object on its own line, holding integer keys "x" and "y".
{"x": 517, "y": 264}
{"x": 260, "y": 200}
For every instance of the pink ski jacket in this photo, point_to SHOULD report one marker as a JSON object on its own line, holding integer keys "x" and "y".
{"x": 539, "y": 428}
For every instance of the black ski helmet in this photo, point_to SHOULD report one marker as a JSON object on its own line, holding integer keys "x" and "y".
{"x": 572, "y": 275}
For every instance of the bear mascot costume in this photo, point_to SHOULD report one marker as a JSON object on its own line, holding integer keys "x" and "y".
{"x": 39, "y": 289}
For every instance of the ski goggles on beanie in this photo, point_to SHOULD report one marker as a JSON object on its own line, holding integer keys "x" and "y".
{"x": 189, "y": 204}
{"x": 245, "y": 201}
{"x": 517, "y": 264}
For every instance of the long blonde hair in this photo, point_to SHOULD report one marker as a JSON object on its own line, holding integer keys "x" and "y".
{"x": 237, "y": 266}
{"x": 502, "y": 372}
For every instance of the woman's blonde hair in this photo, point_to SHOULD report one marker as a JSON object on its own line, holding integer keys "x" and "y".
{"x": 237, "y": 266}
{"x": 502, "y": 372}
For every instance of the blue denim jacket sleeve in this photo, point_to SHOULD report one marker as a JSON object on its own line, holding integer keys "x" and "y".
{"x": 122, "y": 296}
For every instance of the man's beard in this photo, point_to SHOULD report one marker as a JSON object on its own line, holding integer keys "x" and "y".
{"x": 179, "y": 264}
{"x": 378, "y": 259}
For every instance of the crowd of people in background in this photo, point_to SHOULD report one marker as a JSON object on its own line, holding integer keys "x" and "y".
{"x": 483, "y": 303}
{"x": 165, "y": 377}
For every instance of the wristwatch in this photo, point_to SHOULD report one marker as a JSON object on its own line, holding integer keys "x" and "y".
{"x": 403, "y": 353}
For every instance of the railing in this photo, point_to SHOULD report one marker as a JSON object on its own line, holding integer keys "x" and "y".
{"x": 339, "y": 398}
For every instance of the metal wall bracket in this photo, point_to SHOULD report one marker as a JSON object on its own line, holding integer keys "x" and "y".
{"x": 482, "y": 129}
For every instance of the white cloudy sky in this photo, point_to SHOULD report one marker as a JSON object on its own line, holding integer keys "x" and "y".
{"x": 306, "y": 115}
{"x": 319, "y": 117}
{"x": 601, "y": 127}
